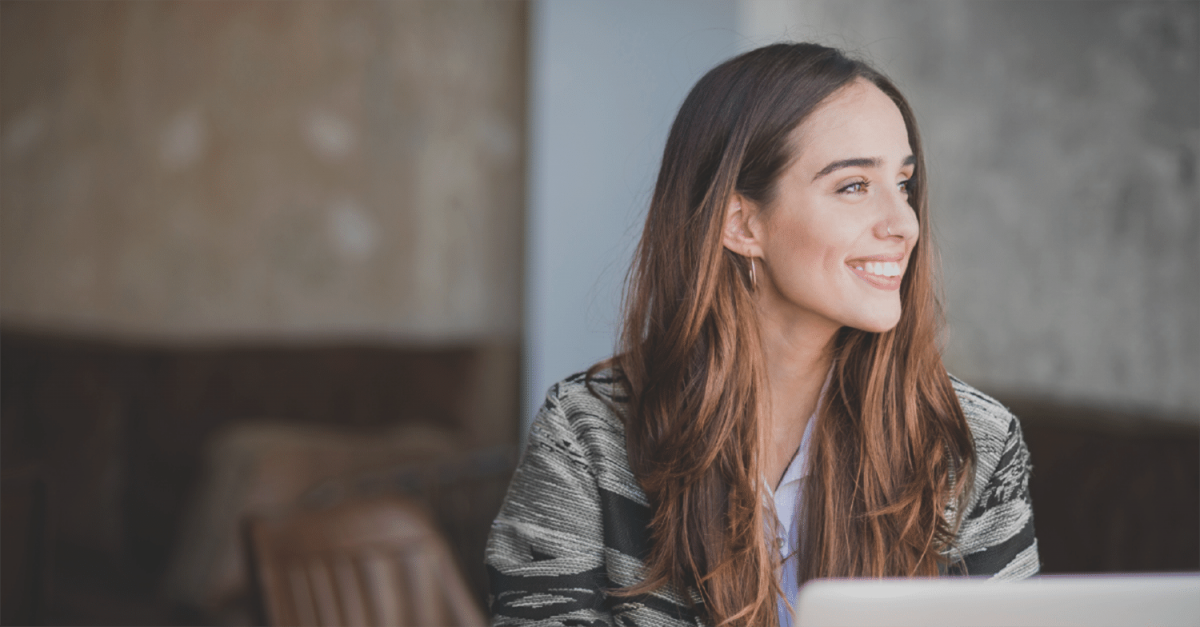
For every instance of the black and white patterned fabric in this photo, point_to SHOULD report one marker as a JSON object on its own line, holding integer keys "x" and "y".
{"x": 574, "y": 523}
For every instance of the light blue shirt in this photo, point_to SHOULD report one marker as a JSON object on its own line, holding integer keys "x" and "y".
{"x": 787, "y": 498}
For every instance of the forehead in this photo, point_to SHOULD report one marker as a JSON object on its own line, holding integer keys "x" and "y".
{"x": 858, "y": 120}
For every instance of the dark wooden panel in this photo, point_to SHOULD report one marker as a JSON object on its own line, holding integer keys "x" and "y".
{"x": 120, "y": 428}
{"x": 1113, "y": 491}
{"x": 24, "y": 563}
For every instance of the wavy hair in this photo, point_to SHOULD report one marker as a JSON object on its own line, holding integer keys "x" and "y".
{"x": 890, "y": 437}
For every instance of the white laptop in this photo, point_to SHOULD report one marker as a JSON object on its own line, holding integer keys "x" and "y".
{"x": 1095, "y": 601}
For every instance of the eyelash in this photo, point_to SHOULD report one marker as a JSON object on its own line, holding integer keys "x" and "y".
{"x": 863, "y": 185}
{"x": 849, "y": 189}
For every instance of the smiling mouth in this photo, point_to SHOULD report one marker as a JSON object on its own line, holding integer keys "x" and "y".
{"x": 884, "y": 275}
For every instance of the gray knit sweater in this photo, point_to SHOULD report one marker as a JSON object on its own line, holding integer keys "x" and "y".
{"x": 575, "y": 520}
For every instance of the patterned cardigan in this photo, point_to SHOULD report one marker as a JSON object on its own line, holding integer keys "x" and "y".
{"x": 575, "y": 520}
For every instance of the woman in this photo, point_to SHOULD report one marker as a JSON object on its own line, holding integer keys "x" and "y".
{"x": 778, "y": 409}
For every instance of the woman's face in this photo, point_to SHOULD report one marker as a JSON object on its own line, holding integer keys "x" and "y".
{"x": 836, "y": 241}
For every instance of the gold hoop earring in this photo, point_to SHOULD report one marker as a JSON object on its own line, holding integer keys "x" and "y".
{"x": 753, "y": 278}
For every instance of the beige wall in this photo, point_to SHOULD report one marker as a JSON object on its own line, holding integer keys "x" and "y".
{"x": 201, "y": 170}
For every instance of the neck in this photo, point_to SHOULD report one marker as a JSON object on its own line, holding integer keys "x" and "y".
{"x": 797, "y": 365}
{"x": 797, "y": 355}
{"x": 798, "y": 352}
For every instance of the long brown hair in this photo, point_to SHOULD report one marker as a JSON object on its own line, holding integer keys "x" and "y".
{"x": 890, "y": 437}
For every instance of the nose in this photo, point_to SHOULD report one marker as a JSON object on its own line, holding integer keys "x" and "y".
{"x": 897, "y": 220}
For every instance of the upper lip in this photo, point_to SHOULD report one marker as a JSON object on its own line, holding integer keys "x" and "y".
{"x": 884, "y": 257}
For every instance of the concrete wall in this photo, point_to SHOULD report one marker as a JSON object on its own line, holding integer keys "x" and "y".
{"x": 196, "y": 171}
{"x": 205, "y": 171}
{"x": 1062, "y": 141}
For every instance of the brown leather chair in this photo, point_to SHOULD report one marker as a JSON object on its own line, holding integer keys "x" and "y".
{"x": 378, "y": 562}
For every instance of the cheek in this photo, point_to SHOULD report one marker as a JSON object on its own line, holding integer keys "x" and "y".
{"x": 799, "y": 227}
{"x": 813, "y": 236}
{"x": 821, "y": 245}
{"x": 798, "y": 248}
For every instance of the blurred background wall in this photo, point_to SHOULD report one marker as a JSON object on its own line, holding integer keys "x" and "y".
{"x": 1062, "y": 141}
{"x": 605, "y": 81}
{"x": 191, "y": 171}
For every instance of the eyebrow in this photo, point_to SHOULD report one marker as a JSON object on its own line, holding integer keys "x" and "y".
{"x": 860, "y": 162}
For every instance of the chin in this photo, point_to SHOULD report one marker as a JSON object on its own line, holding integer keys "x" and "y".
{"x": 880, "y": 323}
{"x": 875, "y": 328}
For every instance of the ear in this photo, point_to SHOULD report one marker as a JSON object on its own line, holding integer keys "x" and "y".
{"x": 740, "y": 231}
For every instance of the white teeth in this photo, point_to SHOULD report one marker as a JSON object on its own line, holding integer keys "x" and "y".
{"x": 880, "y": 268}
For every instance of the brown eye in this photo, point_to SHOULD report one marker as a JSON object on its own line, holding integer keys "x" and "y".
{"x": 906, "y": 186}
{"x": 854, "y": 188}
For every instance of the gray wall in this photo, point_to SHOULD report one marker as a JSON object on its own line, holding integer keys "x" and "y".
{"x": 1062, "y": 141}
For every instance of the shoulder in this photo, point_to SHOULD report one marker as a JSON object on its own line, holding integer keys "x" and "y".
{"x": 583, "y": 415}
{"x": 575, "y": 521}
{"x": 996, "y": 532}
{"x": 999, "y": 442}
{"x": 991, "y": 422}
{"x": 581, "y": 400}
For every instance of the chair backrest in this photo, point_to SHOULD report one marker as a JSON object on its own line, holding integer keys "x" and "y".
{"x": 378, "y": 562}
